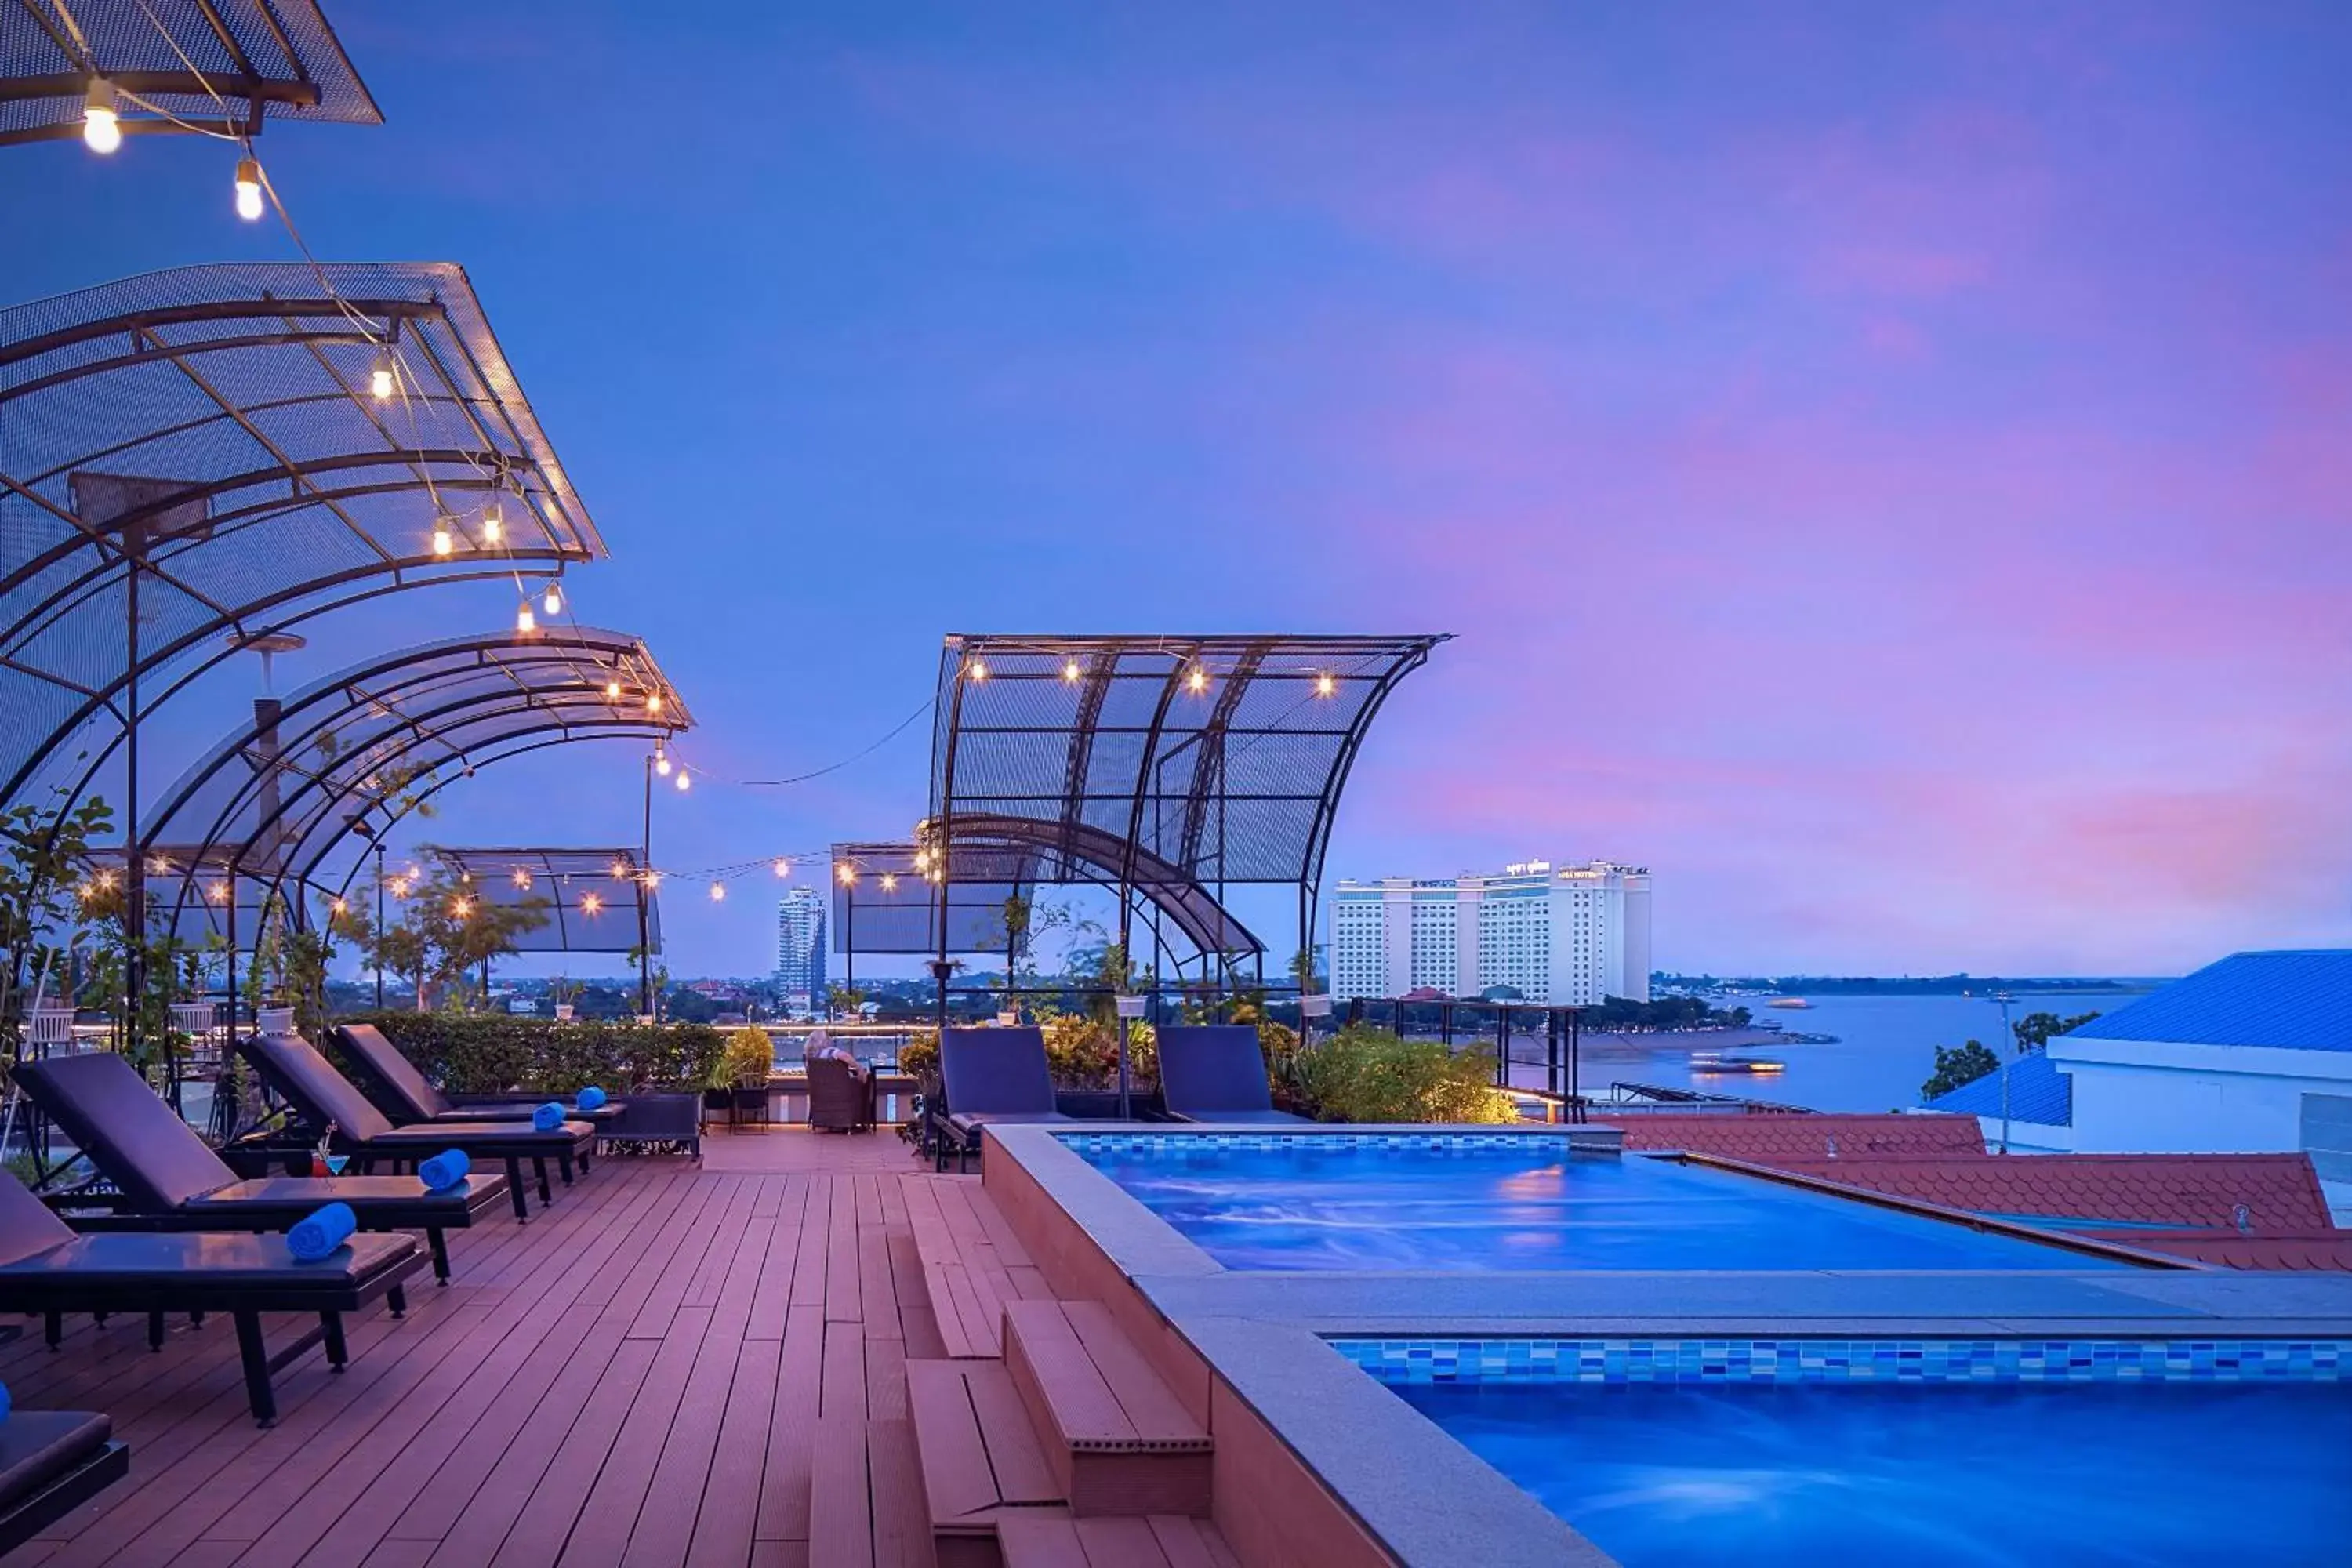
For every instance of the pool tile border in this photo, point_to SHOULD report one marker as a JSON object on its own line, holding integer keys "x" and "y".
{"x": 1158, "y": 1142}
{"x": 1813, "y": 1360}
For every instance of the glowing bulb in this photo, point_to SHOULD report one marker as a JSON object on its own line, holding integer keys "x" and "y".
{"x": 219, "y": 892}
{"x": 589, "y": 903}
{"x": 494, "y": 524}
{"x": 1324, "y": 686}
{"x": 1198, "y": 679}
{"x": 922, "y": 859}
{"x": 889, "y": 882}
{"x": 783, "y": 868}
{"x": 718, "y": 892}
{"x": 684, "y": 782}
{"x": 443, "y": 541}
{"x": 553, "y": 602}
{"x": 846, "y": 872}
{"x": 461, "y": 909}
{"x": 653, "y": 702}
{"x": 338, "y": 906}
{"x": 525, "y": 621}
{"x": 620, "y": 871}
{"x": 653, "y": 879}
{"x": 976, "y": 670}
{"x": 612, "y": 691}
{"x": 522, "y": 879}
{"x": 661, "y": 764}
{"x": 1070, "y": 671}
{"x": 379, "y": 379}
{"x": 248, "y": 189}
{"x": 102, "y": 117}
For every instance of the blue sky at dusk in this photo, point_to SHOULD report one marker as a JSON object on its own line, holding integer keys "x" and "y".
{"x": 1889, "y": 469}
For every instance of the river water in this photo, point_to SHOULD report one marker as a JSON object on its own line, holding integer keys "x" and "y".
{"x": 1885, "y": 1047}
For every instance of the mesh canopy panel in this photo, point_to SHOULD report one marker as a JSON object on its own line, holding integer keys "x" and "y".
{"x": 1207, "y": 759}
{"x": 585, "y": 906}
{"x": 891, "y": 907}
{"x": 221, "y": 65}
{"x": 218, "y": 425}
{"x": 342, "y": 760}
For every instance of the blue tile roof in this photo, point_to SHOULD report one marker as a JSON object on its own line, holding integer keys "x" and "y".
{"x": 2038, "y": 1092}
{"x": 2301, "y": 1001}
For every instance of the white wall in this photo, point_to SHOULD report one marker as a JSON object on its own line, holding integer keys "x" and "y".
{"x": 2151, "y": 1096}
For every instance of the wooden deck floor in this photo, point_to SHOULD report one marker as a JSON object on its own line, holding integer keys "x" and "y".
{"x": 674, "y": 1364}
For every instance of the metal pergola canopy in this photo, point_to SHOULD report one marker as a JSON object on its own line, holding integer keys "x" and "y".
{"x": 1167, "y": 766}
{"x": 194, "y": 458}
{"x": 179, "y": 67}
{"x": 588, "y": 897}
{"x": 316, "y": 781}
{"x": 888, "y": 902}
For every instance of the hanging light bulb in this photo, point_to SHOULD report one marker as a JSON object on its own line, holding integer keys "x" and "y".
{"x": 889, "y": 882}
{"x": 248, "y": 189}
{"x": 443, "y": 541}
{"x": 554, "y": 601}
{"x": 494, "y": 524}
{"x": 338, "y": 907}
{"x": 976, "y": 670}
{"x": 620, "y": 871}
{"x": 684, "y": 781}
{"x": 461, "y": 908}
{"x": 525, "y": 622}
{"x": 846, "y": 872}
{"x": 661, "y": 760}
{"x": 102, "y": 117}
{"x": 380, "y": 378}
{"x": 1070, "y": 671}
{"x": 1324, "y": 686}
{"x": 522, "y": 880}
{"x": 783, "y": 868}
{"x": 923, "y": 860}
{"x": 612, "y": 691}
{"x": 653, "y": 702}
{"x": 589, "y": 903}
{"x": 718, "y": 892}
{"x": 1198, "y": 680}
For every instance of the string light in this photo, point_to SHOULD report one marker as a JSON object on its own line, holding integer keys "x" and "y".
{"x": 525, "y": 622}
{"x": 217, "y": 892}
{"x": 461, "y": 908}
{"x": 589, "y": 903}
{"x": 522, "y": 880}
{"x": 553, "y": 603}
{"x": 248, "y": 189}
{"x": 889, "y": 882}
{"x": 684, "y": 782}
{"x": 106, "y": 879}
{"x": 1324, "y": 686}
{"x": 1198, "y": 680}
{"x": 338, "y": 907}
{"x": 1070, "y": 671}
{"x": 443, "y": 541}
{"x": 923, "y": 860}
{"x": 783, "y": 868}
{"x": 653, "y": 702}
{"x": 612, "y": 691}
{"x": 846, "y": 872}
{"x": 494, "y": 524}
{"x": 976, "y": 670}
{"x": 380, "y": 378}
{"x": 620, "y": 871}
{"x": 661, "y": 762}
{"x": 718, "y": 892}
{"x": 102, "y": 117}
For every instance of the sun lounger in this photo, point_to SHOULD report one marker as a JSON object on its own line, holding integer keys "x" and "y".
{"x": 407, "y": 1096}
{"x": 992, "y": 1076}
{"x": 51, "y": 1462}
{"x": 326, "y": 1097}
{"x": 1216, "y": 1072}
{"x": 44, "y": 1267}
{"x": 170, "y": 1181}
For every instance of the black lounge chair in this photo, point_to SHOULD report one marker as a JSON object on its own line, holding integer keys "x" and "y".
{"x": 992, "y": 1076}
{"x": 170, "y": 1181}
{"x": 44, "y": 1267}
{"x": 51, "y": 1462}
{"x": 326, "y": 1098}
{"x": 1216, "y": 1072}
{"x": 407, "y": 1096}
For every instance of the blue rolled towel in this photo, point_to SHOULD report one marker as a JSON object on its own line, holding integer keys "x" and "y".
{"x": 5, "y": 1403}
{"x": 548, "y": 1117}
{"x": 312, "y": 1239}
{"x": 590, "y": 1099}
{"x": 446, "y": 1169}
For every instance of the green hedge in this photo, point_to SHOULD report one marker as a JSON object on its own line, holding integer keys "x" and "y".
{"x": 1363, "y": 1074}
{"x": 494, "y": 1054}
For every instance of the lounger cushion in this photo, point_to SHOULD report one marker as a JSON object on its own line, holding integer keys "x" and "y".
{"x": 378, "y": 1199}
{"x": 107, "y": 1109}
{"x": 37, "y": 1446}
{"x": 996, "y": 1071}
{"x": 381, "y": 1057}
{"x": 515, "y": 1137}
{"x": 1208, "y": 1069}
{"x": 28, "y": 1227}
{"x": 179, "y": 1259}
{"x": 299, "y": 1072}
{"x": 1248, "y": 1117}
{"x": 973, "y": 1120}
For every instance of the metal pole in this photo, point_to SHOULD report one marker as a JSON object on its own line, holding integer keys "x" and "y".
{"x": 379, "y": 939}
{"x": 2006, "y": 1046}
{"x": 134, "y": 863}
{"x": 644, "y": 896}
{"x": 1575, "y": 1082}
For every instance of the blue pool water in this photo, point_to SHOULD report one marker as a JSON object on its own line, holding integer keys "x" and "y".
{"x": 2091, "y": 1476}
{"x": 1516, "y": 1203}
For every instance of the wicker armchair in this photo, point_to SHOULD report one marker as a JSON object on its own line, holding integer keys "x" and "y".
{"x": 840, "y": 1090}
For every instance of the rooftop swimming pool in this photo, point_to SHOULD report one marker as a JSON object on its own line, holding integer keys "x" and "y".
{"x": 1487, "y": 1202}
{"x": 1927, "y": 1453}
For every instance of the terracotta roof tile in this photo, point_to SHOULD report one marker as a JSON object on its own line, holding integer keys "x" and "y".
{"x": 1770, "y": 1138}
{"x": 2318, "y": 1249}
{"x": 2280, "y": 1191}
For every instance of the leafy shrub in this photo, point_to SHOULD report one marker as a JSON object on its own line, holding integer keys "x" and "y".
{"x": 748, "y": 1056}
{"x": 919, "y": 1057}
{"x": 1083, "y": 1053}
{"x": 493, "y": 1053}
{"x": 1370, "y": 1075}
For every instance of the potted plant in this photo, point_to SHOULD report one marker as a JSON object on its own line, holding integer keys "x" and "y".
{"x": 739, "y": 1078}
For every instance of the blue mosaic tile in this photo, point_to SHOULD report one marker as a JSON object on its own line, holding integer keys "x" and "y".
{"x": 1324, "y": 1142}
{"x": 1850, "y": 1361}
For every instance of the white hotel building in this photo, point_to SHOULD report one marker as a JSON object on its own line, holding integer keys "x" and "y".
{"x": 1564, "y": 935}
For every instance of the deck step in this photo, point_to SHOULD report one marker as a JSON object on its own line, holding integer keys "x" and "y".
{"x": 1115, "y": 1437}
{"x": 1158, "y": 1541}
{"x": 979, "y": 1457}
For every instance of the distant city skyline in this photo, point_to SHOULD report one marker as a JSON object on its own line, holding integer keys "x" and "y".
{"x": 1884, "y": 466}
